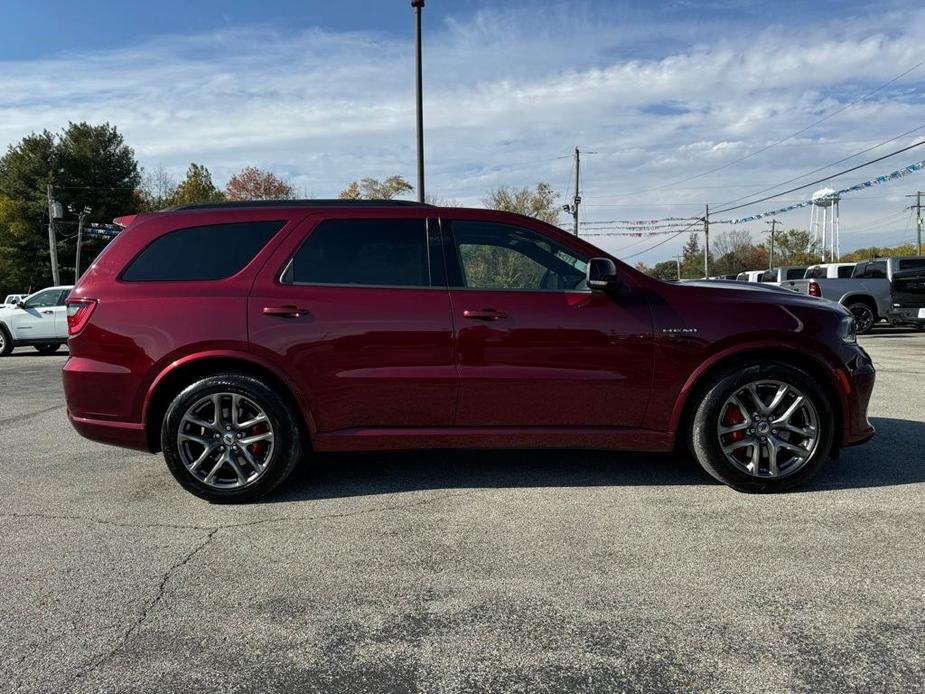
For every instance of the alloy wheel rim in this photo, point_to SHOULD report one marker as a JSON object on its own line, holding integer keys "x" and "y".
{"x": 864, "y": 317}
{"x": 225, "y": 441}
{"x": 768, "y": 429}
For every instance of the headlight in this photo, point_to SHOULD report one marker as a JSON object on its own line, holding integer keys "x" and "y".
{"x": 847, "y": 330}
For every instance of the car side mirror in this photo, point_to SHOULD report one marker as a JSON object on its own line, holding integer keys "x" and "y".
{"x": 602, "y": 273}
{"x": 20, "y": 304}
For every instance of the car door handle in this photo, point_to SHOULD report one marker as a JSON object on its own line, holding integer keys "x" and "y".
{"x": 48, "y": 313}
{"x": 288, "y": 311}
{"x": 484, "y": 314}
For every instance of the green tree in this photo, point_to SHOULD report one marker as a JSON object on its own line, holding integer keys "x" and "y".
{"x": 539, "y": 202}
{"x": 196, "y": 187}
{"x": 374, "y": 189}
{"x": 89, "y": 166}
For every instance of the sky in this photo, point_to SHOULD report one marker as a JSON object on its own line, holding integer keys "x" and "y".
{"x": 674, "y": 104}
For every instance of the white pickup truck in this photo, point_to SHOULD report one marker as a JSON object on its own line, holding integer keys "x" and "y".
{"x": 39, "y": 320}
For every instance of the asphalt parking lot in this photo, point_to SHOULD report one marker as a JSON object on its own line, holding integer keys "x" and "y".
{"x": 461, "y": 572}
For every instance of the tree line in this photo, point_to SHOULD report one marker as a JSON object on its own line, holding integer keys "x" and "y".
{"x": 92, "y": 166}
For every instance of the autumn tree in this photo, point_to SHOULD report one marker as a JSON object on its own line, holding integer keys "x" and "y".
{"x": 374, "y": 189}
{"x": 196, "y": 187}
{"x": 157, "y": 190}
{"x": 539, "y": 202}
{"x": 252, "y": 183}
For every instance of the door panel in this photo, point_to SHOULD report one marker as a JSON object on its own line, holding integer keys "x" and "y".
{"x": 36, "y": 320}
{"x": 534, "y": 347}
{"x": 554, "y": 359}
{"x": 365, "y": 356}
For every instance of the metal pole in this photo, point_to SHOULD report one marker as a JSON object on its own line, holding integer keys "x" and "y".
{"x": 677, "y": 259}
{"x": 52, "y": 242}
{"x": 706, "y": 243}
{"x": 918, "y": 207}
{"x": 419, "y": 94}
{"x": 773, "y": 224}
{"x": 80, "y": 233}
{"x": 577, "y": 188}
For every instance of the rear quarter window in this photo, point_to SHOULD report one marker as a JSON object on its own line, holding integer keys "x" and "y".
{"x": 845, "y": 272}
{"x": 912, "y": 263}
{"x": 796, "y": 273}
{"x": 208, "y": 252}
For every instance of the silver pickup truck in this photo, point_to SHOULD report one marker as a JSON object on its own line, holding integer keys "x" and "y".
{"x": 866, "y": 293}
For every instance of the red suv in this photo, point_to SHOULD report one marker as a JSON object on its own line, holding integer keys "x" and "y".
{"x": 238, "y": 337}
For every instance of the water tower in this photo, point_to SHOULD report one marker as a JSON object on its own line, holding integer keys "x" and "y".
{"x": 823, "y": 223}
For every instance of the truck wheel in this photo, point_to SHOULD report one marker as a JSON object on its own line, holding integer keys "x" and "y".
{"x": 762, "y": 428}
{"x": 864, "y": 316}
{"x": 230, "y": 438}
{"x": 47, "y": 349}
{"x": 6, "y": 342}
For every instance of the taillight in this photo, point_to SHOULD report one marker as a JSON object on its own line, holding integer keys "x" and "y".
{"x": 814, "y": 289}
{"x": 78, "y": 313}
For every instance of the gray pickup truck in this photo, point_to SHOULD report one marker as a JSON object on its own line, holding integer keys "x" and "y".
{"x": 866, "y": 293}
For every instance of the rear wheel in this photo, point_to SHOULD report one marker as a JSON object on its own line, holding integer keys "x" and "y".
{"x": 763, "y": 428}
{"x": 6, "y": 343}
{"x": 47, "y": 349}
{"x": 864, "y": 316}
{"x": 230, "y": 438}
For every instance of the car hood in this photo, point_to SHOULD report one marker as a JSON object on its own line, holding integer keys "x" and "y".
{"x": 735, "y": 285}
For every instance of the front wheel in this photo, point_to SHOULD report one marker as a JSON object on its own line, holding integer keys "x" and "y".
{"x": 230, "y": 438}
{"x": 763, "y": 428}
{"x": 47, "y": 349}
{"x": 6, "y": 342}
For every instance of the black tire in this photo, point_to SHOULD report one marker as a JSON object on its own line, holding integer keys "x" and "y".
{"x": 704, "y": 435}
{"x": 285, "y": 454}
{"x": 865, "y": 317}
{"x": 6, "y": 342}
{"x": 48, "y": 349}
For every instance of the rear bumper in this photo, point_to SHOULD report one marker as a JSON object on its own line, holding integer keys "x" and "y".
{"x": 124, "y": 434}
{"x": 905, "y": 314}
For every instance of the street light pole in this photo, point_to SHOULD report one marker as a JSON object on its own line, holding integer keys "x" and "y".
{"x": 80, "y": 233}
{"x": 418, "y": 5}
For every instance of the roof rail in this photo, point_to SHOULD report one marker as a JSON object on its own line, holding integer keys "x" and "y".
{"x": 337, "y": 202}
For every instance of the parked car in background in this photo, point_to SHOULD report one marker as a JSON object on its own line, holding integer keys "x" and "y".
{"x": 867, "y": 293}
{"x": 831, "y": 271}
{"x": 236, "y": 337}
{"x": 750, "y": 276}
{"x": 11, "y": 300}
{"x": 907, "y": 293}
{"x": 39, "y": 320}
{"x": 779, "y": 275}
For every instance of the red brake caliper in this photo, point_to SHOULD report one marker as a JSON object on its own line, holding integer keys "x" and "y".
{"x": 732, "y": 417}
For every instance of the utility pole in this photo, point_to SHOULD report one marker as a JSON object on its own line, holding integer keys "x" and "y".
{"x": 918, "y": 220}
{"x": 677, "y": 259}
{"x": 773, "y": 224}
{"x": 81, "y": 217}
{"x": 418, "y": 5}
{"x": 706, "y": 243}
{"x": 577, "y": 200}
{"x": 52, "y": 240}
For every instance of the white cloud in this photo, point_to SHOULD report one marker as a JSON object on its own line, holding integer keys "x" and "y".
{"x": 507, "y": 95}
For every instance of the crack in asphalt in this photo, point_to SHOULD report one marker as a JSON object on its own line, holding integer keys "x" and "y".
{"x": 103, "y": 521}
{"x": 213, "y": 531}
{"x": 30, "y": 415}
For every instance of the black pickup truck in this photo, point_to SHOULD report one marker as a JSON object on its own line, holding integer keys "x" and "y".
{"x": 907, "y": 295}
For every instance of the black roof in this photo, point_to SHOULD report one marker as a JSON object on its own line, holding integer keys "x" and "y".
{"x": 296, "y": 203}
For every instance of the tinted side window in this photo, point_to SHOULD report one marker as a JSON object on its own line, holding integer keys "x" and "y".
{"x": 502, "y": 256}
{"x": 875, "y": 270}
{"x": 796, "y": 273}
{"x": 210, "y": 252}
{"x": 911, "y": 263}
{"x": 49, "y": 297}
{"x": 845, "y": 271}
{"x": 371, "y": 252}
{"x": 769, "y": 276}
{"x": 815, "y": 273}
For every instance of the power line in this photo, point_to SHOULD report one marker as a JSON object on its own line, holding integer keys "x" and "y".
{"x": 663, "y": 241}
{"x": 821, "y": 180}
{"x": 789, "y": 137}
{"x": 826, "y": 166}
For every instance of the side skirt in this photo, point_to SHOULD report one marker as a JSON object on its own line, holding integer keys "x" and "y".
{"x": 606, "y": 438}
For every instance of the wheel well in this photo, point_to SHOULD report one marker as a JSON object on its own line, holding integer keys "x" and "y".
{"x": 749, "y": 358}
{"x": 180, "y": 378}
{"x": 862, "y": 299}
